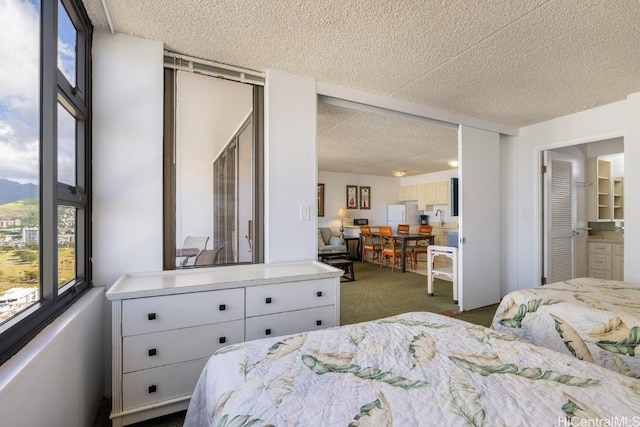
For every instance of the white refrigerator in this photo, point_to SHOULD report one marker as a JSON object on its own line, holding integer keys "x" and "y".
{"x": 402, "y": 214}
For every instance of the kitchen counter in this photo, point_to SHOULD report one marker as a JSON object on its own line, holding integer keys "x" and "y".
{"x": 605, "y": 239}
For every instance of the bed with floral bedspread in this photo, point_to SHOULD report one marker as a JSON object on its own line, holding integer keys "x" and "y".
{"x": 592, "y": 319}
{"x": 415, "y": 369}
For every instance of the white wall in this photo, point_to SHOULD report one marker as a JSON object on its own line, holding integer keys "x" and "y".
{"x": 127, "y": 156}
{"x": 384, "y": 191}
{"x": 291, "y": 167}
{"x": 127, "y": 162}
{"x": 605, "y": 122}
{"x": 57, "y": 379}
{"x": 631, "y": 186}
{"x": 509, "y": 208}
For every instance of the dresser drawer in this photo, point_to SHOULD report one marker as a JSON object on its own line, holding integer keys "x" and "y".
{"x": 599, "y": 261}
{"x": 158, "y": 384}
{"x": 178, "y": 345}
{"x": 599, "y": 248}
{"x": 154, "y": 314}
{"x": 282, "y": 297}
{"x": 290, "y": 323}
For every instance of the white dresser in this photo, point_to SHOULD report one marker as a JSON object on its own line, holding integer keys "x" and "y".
{"x": 166, "y": 325}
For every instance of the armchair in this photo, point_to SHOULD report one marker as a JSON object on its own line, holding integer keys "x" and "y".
{"x": 328, "y": 243}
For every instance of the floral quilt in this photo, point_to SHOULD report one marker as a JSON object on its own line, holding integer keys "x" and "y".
{"x": 592, "y": 319}
{"x": 415, "y": 369}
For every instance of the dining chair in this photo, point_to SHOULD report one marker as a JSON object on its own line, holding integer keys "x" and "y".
{"x": 369, "y": 244}
{"x": 207, "y": 257}
{"x": 390, "y": 247}
{"x": 192, "y": 242}
{"x": 421, "y": 246}
{"x": 403, "y": 228}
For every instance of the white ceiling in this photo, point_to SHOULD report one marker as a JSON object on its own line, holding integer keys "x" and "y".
{"x": 513, "y": 62}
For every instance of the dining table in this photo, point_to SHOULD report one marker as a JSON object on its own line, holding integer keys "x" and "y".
{"x": 404, "y": 238}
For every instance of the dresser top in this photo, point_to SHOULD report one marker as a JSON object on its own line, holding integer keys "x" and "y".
{"x": 137, "y": 285}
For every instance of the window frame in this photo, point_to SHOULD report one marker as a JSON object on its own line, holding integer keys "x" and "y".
{"x": 17, "y": 331}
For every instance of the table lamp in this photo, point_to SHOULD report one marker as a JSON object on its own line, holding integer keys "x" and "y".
{"x": 342, "y": 213}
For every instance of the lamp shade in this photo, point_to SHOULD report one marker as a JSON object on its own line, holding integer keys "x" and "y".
{"x": 343, "y": 213}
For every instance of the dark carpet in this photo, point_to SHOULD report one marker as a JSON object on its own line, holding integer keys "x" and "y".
{"x": 378, "y": 293}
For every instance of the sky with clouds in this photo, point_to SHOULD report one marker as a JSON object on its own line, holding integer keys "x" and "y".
{"x": 19, "y": 92}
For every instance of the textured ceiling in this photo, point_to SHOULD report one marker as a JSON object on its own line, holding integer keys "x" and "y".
{"x": 511, "y": 62}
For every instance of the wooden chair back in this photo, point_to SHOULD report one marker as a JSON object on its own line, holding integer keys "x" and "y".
{"x": 425, "y": 229}
{"x": 403, "y": 228}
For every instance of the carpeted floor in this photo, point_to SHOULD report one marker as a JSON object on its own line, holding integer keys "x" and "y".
{"x": 378, "y": 293}
{"x": 375, "y": 293}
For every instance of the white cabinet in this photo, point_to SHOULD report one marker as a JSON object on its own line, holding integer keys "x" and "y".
{"x": 432, "y": 193}
{"x": 442, "y": 193}
{"x": 408, "y": 192}
{"x": 606, "y": 260}
{"x": 618, "y": 199}
{"x": 605, "y": 195}
{"x": 166, "y": 325}
{"x": 617, "y": 262}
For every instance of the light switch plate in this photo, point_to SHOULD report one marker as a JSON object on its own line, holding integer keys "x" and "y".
{"x": 305, "y": 213}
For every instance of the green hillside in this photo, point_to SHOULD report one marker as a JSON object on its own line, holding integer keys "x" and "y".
{"x": 26, "y": 210}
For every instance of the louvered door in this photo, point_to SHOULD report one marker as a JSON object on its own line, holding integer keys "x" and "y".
{"x": 559, "y": 219}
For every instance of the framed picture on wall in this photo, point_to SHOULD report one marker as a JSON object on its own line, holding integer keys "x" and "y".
{"x": 352, "y": 197}
{"x": 365, "y": 197}
{"x": 320, "y": 199}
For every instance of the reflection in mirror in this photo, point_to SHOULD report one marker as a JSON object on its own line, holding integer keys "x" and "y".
{"x": 214, "y": 171}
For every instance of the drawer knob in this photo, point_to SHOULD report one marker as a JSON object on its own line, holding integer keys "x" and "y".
{"x": 153, "y": 388}
{"x": 222, "y": 307}
{"x": 267, "y": 331}
{"x": 318, "y": 322}
{"x": 151, "y": 316}
{"x": 319, "y": 293}
{"x": 268, "y": 301}
{"x": 153, "y": 352}
{"x": 222, "y": 340}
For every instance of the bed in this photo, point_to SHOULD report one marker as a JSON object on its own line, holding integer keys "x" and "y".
{"x": 415, "y": 369}
{"x": 592, "y": 319}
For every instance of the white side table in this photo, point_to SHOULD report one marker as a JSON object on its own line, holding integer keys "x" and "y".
{"x": 449, "y": 272}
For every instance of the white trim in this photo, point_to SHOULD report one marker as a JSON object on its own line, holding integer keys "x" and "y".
{"x": 190, "y": 64}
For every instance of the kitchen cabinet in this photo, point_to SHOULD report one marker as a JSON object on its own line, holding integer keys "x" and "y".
{"x": 618, "y": 199}
{"x": 432, "y": 193}
{"x": 617, "y": 261}
{"x": 166, "y": 325}
{"x": 426, "y": 195}
{"x": 606, "y": 260}
{"x": 442, "y": 193}
{"x": 599, "y": 198}
{"x": 407, "y": 193}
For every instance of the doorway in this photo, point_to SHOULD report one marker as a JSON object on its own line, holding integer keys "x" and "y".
{"x": 575, "y": 208}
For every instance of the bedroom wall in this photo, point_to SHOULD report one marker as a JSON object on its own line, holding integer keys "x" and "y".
{"x": 57, "y": 379}
{"x": 127, "y": 163}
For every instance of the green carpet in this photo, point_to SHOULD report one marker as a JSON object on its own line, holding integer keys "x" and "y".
{"x": 480, "y": 316}
{"x": 378, "y": 293}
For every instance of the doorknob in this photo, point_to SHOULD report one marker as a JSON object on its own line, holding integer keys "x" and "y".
{"x": 576, "y": 232}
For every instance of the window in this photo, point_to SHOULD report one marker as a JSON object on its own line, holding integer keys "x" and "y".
{"x": 44, "y": 164}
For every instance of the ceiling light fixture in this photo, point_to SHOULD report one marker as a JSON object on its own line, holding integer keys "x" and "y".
{"x": 453, "y": 163}
{"x": 399, "y": 173}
